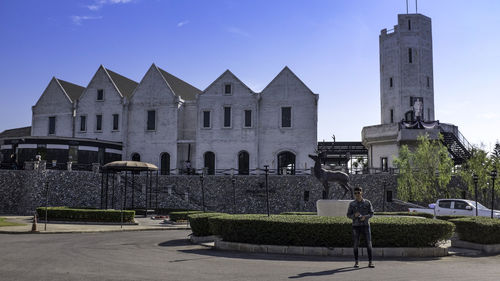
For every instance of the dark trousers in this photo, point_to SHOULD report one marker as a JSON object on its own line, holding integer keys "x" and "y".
{"x": 356, "y": 234}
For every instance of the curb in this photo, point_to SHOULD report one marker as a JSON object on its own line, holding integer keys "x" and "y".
{"x": 331, "y": 251}
{"x": 485, "y": 248}
{"x": 91, "y": 231}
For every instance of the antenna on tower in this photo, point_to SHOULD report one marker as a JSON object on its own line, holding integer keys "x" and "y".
{"x": 406, "y": 6}
{"x": 416, "y": 6}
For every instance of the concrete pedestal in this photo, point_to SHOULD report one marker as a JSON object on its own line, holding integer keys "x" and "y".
{"x": 332, "y": 208}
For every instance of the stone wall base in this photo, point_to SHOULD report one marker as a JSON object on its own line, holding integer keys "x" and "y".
{"x": 485, "y": 248}
{"x": 330, "y": 251}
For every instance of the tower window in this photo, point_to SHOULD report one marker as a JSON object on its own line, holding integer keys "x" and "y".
{"x": 428, "y": 82}
{"x": 390, "y": 82}
{"x": 410, "y": 56}
{"x": 392, "y": 115}
{"x": 384, "y": 164}
{"x": 409, "y": 24}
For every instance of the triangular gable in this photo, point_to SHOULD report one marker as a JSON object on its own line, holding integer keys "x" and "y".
{"x": 179, "y": 87}
{"x": 282, "y": 72}
{"x": 58, "y": 84}
{"x": 232, "y": 75}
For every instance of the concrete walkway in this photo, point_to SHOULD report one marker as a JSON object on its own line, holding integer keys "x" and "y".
{"x": 67, "y": 227}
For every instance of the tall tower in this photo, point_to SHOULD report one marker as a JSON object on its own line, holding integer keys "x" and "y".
{"x": 406, "y": 71}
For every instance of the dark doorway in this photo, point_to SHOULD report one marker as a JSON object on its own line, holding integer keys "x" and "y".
{"x": 286, "y": 163}
{"x": 243, "y": 163}
{"x": 209, "y": 159}
{"x": 165, "y": 164}
{"x": 136, "y": 157}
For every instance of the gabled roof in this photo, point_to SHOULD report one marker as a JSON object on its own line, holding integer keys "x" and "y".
{"x": 180, "y": 88}
{"x": 72, "y": 90}
{"x": 284, "y": 70}
{"x": 16, "y": 133}
{"x": 124, "y": 85}
{"x": 231, "y": 74}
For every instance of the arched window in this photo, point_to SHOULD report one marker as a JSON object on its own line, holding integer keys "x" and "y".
{"x": 286, "y": 163}
{"x": 165, "y": 164}
{"x": 136, "y": 157}
{"x": 209, "y": 159}
{"x": 243, "y": 163}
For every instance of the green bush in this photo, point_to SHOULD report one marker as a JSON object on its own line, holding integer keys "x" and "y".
{"x": 327, "y": 231}
{"x": 300, "y": 213}
{"x": 480, "y": 230}
{"x": 450, "y": 217}
{"x": 85, "y": 215}
{"x": 182, "y": 215}
{"x": 199, "y": 223}
{"x": 414, "y": 214}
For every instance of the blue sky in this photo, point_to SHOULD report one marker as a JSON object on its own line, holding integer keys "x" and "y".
{"x": 331, "y": 45}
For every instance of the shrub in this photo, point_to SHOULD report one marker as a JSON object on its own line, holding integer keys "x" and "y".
{"x": 300, "y": 213}
{"x": 199, "y": 223}
{"x": 480, "y": 230}
{"x": 414, "y": 214}
{"x": 182, "y": 215}
{"x": 86, "y": 215}
{"x": 450, "y": 217}
{"x": 327, "y": 231}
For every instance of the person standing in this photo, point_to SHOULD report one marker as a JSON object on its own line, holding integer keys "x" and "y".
{"x": 360, "y": 211}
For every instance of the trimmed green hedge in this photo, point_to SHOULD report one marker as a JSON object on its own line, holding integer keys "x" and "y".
{"x": 450, "y": 217}
{"x": 199, "y": 223}
{"x": 328, "y": 231}
{"x": 480, "y": 230}
{"x": 413, "y": 214}
{"x": 84, "y": 215}
{"x": 182, "y": 215}
{"x": 299, "y": 213}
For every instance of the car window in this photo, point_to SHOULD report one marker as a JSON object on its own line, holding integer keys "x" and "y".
{"x": 460, "y": 205}
{"x": 445, "y": 204}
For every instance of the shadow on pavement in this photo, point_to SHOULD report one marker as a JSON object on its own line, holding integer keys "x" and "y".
{"x": 175, "y": 243}
{"x": 327, "y": 272}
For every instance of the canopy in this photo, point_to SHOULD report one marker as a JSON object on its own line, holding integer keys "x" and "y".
{"x": 129, "y": 166}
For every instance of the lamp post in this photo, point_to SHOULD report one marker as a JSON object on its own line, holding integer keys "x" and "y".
{"x": 475, "y": 178}
{"x": 266, "y": 169}
{"x": 493, "y": 175}
{"x": 202, "y": 189}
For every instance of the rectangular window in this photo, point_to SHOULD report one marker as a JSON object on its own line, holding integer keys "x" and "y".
{"x": 428, "y": 82}
{"x": 98, "y": 122}
{"x": 385, "y": 166}
{"x": 100, "y": 94}
{"x": 428, "y": 114}
{"x": 52, "y": 125}
{"x": 248, "y": 118}
{"x": 227, "y": 116}
{"x": 409, "y": 24}
{"x": 115, "y": 122}
{"x": 392, "y": 115}
{"x": 83, "y": 123}
{"x": 206, "y": 119}
{"x": 151, "y": 125}
{"x": 227, "y": 89}
{"x": 388, "y": 197}
{"x": 410, "y": 56}
{"x": 286, "y": 117}
{"x": 390, "y": 82}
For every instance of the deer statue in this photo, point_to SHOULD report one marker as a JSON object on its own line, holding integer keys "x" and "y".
{"x": 326, "y": 176}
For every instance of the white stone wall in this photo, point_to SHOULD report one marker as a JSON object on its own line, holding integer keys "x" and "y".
{"x": 90, "y": 107}
{"x": 226, "y": 143}
{"x": 53, "y": 102}
{"x": 286, "y": 90}
{"x": 409, "y": 79}
{"x": 153, "y": 93}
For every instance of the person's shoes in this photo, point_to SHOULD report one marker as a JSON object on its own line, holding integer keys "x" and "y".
{"x": 371, "y": 265}
{"x": 356, "y": 264}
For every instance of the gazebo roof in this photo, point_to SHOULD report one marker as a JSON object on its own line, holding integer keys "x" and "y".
{"x": 129, "y": 166}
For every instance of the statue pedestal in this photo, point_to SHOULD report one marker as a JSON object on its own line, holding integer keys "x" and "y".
{"x": 332, "y": 208}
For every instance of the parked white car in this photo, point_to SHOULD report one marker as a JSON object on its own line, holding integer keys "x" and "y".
{"x": 457, "y": 207}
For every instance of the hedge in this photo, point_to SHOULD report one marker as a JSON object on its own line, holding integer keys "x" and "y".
{"x": 85, "y": 215}
{"x": 480, "y": 230}
{"x": 199, "y": 223}
{"x": 182, "y": 215}
{"x": 328, "y": 231}
{"x": 450, "y": 217}
{"x": 414, "y": 214}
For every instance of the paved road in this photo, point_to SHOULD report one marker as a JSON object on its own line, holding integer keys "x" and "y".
{"x": 167, "y": 255}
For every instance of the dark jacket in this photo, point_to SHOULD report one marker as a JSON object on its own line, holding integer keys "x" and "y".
{"x": 364, "y": 207}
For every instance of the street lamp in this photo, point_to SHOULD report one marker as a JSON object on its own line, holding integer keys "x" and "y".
{"x": 493, "y": 175}
{"x": 202, "y": 190}
{"x": 266, "y": 169}
{"x": 475, "y": 178}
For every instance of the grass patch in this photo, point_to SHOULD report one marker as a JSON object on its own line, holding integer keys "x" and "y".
{"x": 8, "y": 223}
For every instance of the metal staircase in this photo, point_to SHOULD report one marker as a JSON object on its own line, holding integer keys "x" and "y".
{"x": 459, "y": 148}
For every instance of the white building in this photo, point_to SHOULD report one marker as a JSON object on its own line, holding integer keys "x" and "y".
{"x": 166, "y": 121}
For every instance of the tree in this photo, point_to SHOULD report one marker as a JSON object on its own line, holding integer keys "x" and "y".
{"x": 425, "y": 172}
{"x": 479, "y": 163}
